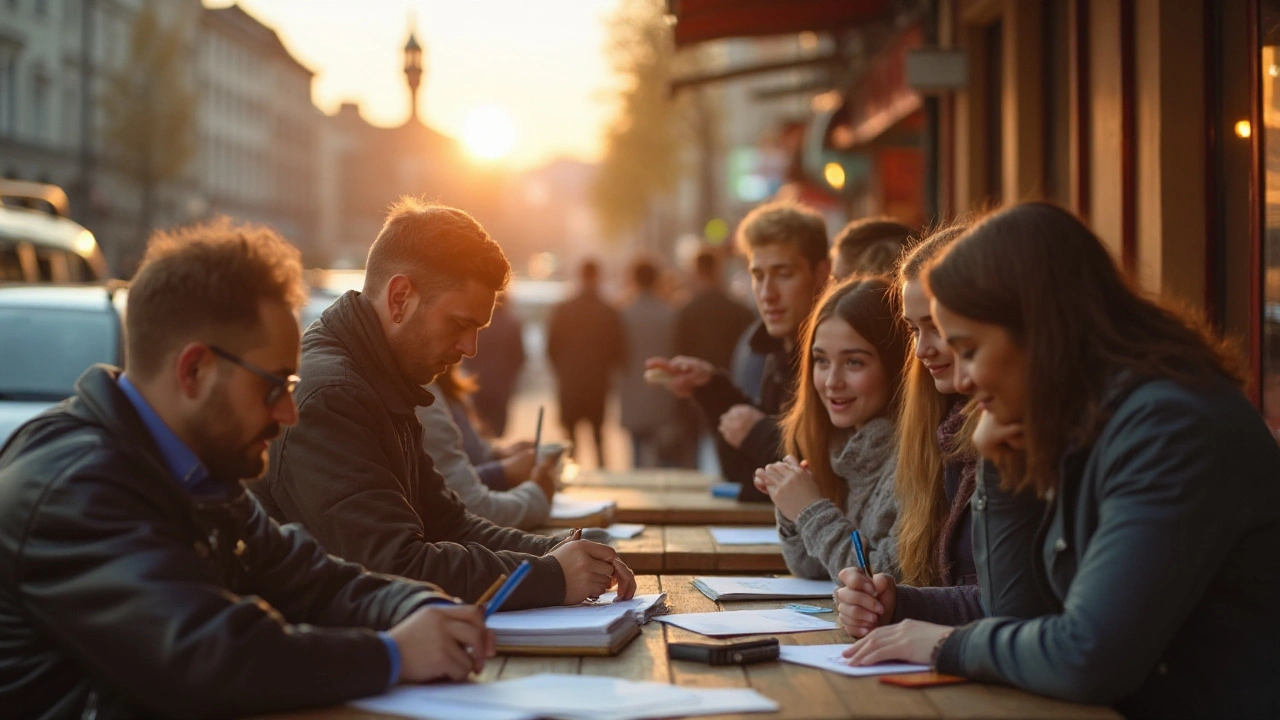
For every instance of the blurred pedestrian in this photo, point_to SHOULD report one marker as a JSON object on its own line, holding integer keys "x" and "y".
{"x": 496, "y": 367}
{"x": 708, "y": 327}
{"x": 585, "y": 344}
{"x": 648, "y": 412}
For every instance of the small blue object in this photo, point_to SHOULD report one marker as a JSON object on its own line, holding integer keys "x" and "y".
{"x": 507, "y": 588}
{"x": 808, "y": 609}
{"x": 726, "y": 490}
{"x": 856, "y": 537}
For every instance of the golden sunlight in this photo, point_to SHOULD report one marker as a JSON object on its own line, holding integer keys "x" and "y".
{"x": 489, "y": 133}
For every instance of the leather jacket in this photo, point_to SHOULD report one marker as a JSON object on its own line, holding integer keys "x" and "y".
{"x": 122, "y": 595}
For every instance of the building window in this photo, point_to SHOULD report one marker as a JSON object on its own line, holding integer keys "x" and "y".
{"x": 40, "y": 130}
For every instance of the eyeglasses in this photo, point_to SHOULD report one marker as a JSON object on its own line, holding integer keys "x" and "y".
{"x": 279, "y": 383}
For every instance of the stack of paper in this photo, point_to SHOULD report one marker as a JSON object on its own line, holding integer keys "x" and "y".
{"x": 758, "y": 588}
{"x": 599, "y": 628}
{"x": 830, "y": 657}
{"x": 746, "y": 535}
{"x": 573, "y": 697}
{"x": 747, "y": 622}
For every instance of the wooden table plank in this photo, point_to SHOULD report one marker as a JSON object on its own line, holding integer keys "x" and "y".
{"x": 646, "y": 552}
{"x": 656, "y": 479}
{"x": 692, "y": 549}
{"x": 676, "y": 507}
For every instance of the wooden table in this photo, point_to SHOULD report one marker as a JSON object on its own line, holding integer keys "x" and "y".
{"x": 802, "y": 692}
{"x": 675, "y": 507}
{"x": 692, "y": 549}
{"x": 644, "y": 479}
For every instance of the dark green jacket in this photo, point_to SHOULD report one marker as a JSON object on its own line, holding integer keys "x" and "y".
{"x": 1160, "y": 555}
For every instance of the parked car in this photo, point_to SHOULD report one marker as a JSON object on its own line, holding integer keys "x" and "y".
{"x": 38, "y": 243}
{"x": 51, "y": 334}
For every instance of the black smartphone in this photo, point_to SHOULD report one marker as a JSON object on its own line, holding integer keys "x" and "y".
{"x": 733, "y": 653}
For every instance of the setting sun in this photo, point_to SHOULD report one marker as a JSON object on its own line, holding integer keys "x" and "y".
{"x": 489, "y": 133}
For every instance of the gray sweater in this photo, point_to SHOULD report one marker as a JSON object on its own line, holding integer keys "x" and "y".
{"x": 817, "y": 544}
{"x": 524, "y": 506}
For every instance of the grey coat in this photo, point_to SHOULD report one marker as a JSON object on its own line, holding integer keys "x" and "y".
{"x": 650, "y": 327}
{"x": 817, "y": 544}
{"x": 1158, "y": 558}
{"x": 523, "y": 506}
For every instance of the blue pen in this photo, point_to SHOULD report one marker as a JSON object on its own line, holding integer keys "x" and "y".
{"x": 859, "y": 553}
{"x": 507, "y": 588}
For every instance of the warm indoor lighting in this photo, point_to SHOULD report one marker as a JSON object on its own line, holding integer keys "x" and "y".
{"x": 1274, "y": 70}
{"x": 489, "y": 133}
{"x": 834, "y": 174}
{"x": 1244, "y": 129}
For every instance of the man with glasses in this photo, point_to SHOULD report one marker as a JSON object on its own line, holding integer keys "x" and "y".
{"x": 353, "y": 470}
{"x": 137, "y": 577}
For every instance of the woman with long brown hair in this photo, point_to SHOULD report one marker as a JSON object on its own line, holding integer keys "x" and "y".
{"x": 1156, "y": 554}
{"x": 839, "y": 433}
{"x": 936, "y": 462}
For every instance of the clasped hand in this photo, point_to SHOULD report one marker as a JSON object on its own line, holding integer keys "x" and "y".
{"x": 790, "y": 485}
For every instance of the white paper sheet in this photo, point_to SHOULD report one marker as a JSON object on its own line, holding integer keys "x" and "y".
{"x": 424, "y": 702}
{"x": 584, "y": 697}
{"x": 746, "y": 535}
{"x": 598, "y": 615}
{"x": 828, "y": 657}
{"x": 624, "y": 531}
{"x": 747, "y": 622}
{"x": 760, "y": 588}
{"x": 563, "y": 508}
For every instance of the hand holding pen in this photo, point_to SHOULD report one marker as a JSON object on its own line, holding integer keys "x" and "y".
{"x": 864, "y": 601}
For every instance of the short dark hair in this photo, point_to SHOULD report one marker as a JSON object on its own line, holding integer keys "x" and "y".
{"x": 589, "y": 271}
{"x": 855, "y": 239}
{"x": 204, "y": 282}
{"x": 437, "y": 246}
{"x": 644, "y": 273}
{"x": 707, "y": 265}
{"x": 785, "y": 222}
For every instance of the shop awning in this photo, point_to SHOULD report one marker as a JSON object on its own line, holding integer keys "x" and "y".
{"x": 701, "y": 20}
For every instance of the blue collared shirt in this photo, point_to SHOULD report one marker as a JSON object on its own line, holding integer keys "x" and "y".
{"x": 193, "y": 476}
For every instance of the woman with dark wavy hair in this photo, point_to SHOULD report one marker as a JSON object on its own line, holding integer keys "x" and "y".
{"x": 1156, "y": 556}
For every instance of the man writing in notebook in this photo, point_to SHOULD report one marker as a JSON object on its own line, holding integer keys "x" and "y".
{"x": 353, "y": 471}
{"x": 137, "y": 578}
{"x": 786, "y": 248}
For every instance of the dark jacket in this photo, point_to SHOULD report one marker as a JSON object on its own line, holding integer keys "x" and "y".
{"x": 709, "y": 325}
{"x": 353, "y": 472}
{"x": 586, "y": 344}
{"x": 763, "y": 444}
{"x": 1159, "y": 552}
{"x": 122, "y": 595}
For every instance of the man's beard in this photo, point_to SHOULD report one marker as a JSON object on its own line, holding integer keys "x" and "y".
{"x": 227, "y": 458}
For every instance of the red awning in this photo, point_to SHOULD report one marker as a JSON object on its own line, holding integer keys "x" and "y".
{"x": 702, "y": 20}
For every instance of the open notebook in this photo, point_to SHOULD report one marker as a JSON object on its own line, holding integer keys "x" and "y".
{"x": 602, "y": 627}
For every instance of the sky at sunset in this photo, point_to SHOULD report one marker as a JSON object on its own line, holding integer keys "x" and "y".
{"x": 542, "y": 62}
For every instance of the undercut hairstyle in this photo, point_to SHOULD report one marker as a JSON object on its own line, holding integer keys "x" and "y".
{"x": 436, "y": 246}
{"x": 785, "y": 223}
{"x": 872, "y": 246}
{"x": 204, "y": 283}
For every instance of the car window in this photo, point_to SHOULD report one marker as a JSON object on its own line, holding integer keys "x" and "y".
{"x": 45, "y": 350}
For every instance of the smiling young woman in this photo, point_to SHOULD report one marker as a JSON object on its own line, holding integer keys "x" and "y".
{"x": 1154, "y": 556}
{"x": 842, "y": 427}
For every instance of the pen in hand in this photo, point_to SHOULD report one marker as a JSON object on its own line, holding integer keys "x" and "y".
{"x": 859, "y": 554}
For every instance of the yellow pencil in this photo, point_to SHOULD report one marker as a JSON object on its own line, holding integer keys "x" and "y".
{"x": 492, "y": 589}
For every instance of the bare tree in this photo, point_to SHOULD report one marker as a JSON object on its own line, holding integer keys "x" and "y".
{"x": 149, "y": 112}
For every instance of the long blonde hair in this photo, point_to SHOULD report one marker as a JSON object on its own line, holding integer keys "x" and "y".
{"x": 870, "y": 307}
{"x": 918, "y": 480}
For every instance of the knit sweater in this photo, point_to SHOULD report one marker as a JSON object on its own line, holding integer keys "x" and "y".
{"x": 524, "y": 506}
{"x": 817, "y": 544}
